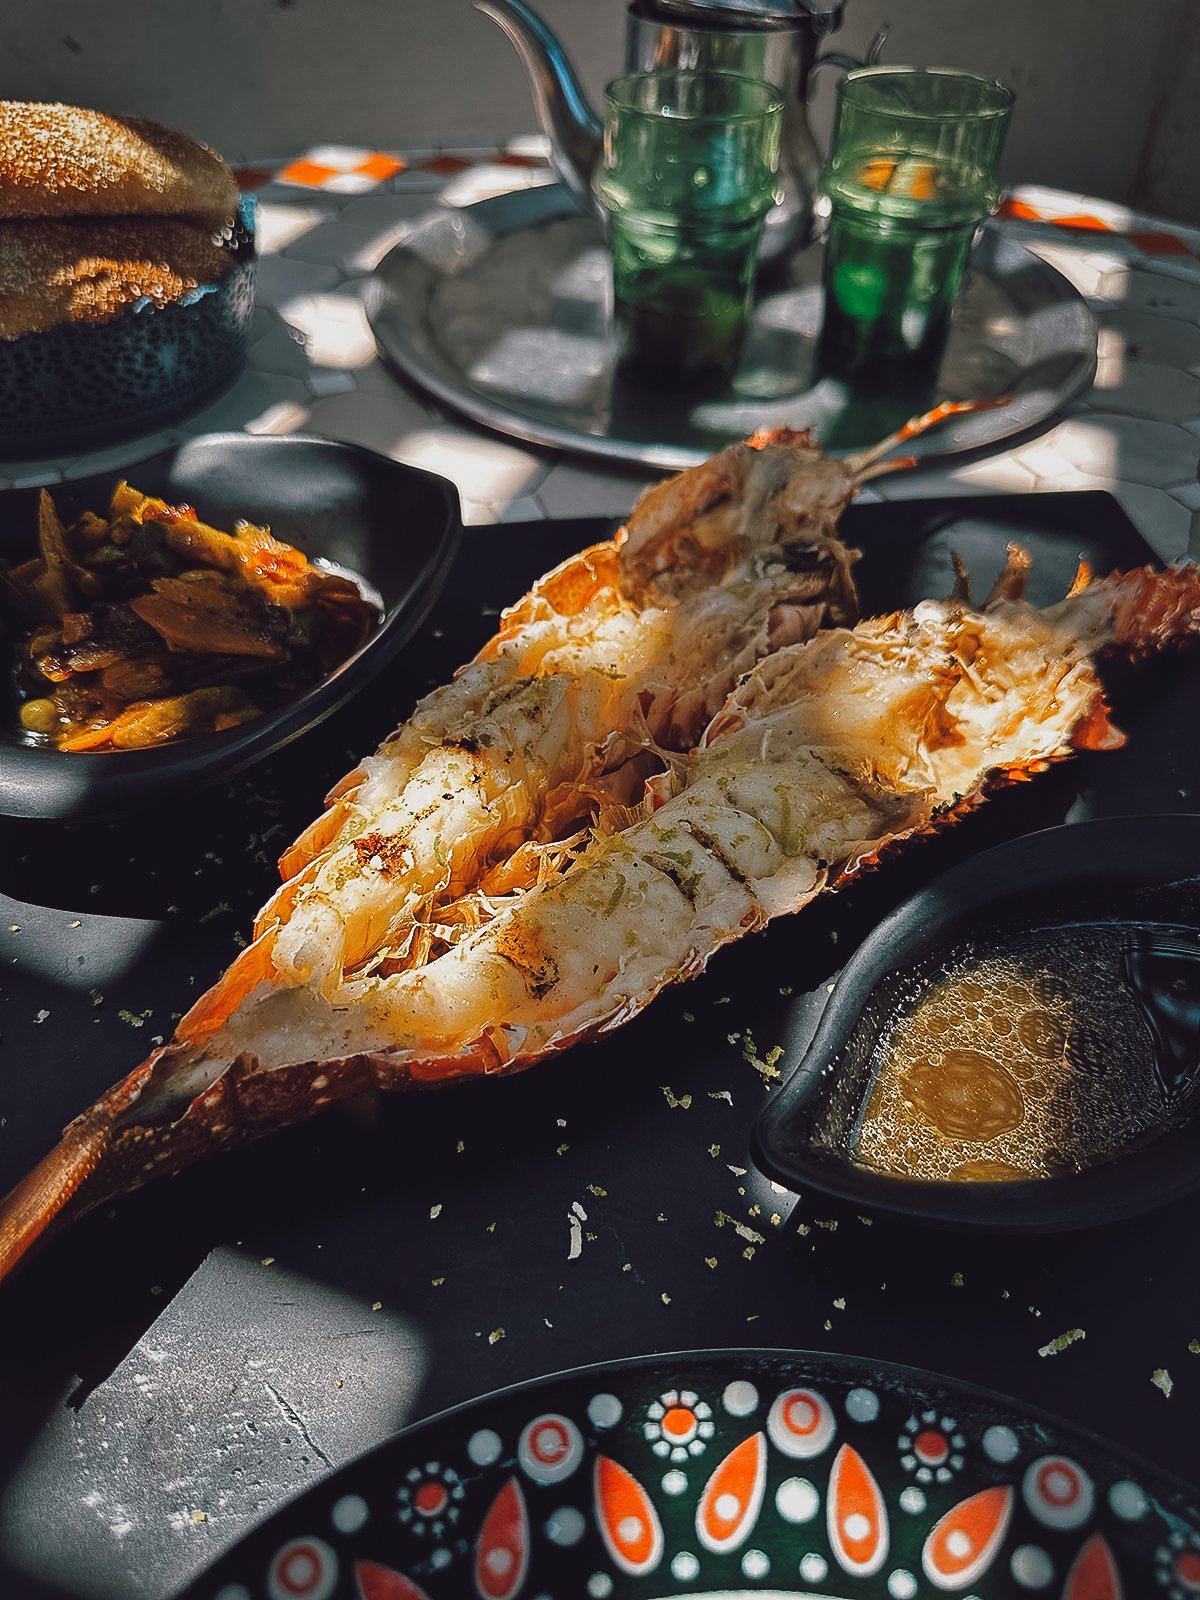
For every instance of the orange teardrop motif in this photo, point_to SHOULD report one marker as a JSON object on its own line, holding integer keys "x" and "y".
{"x": 502, "y": 1552}
{"x": 626, "y": 1518}
{"x": 376, "y": 1582}
{"x": 856, "y": 1515}
{"x": 733, "y": 1496}
{"x": 1094, "y": 1575}
{"x": 963, "y": 1543}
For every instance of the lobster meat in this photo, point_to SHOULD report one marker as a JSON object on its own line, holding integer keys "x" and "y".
{"x": 404, "y": 958}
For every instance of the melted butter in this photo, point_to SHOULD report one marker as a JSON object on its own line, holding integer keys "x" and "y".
{"x": 1052, "y": 1053}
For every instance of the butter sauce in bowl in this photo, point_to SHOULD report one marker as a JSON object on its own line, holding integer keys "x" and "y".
{"x": 1016, "y": 1046}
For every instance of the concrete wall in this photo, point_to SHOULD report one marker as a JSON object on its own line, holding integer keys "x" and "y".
{"x": 1107, "y": 101}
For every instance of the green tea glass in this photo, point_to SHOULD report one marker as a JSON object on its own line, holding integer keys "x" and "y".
{"x": 686, "y": 181}
{"x": 911, "y": 174}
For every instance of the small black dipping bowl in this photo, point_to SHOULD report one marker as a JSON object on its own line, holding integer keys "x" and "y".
{"x": 1120, "y": 870}
{"x": 395, "y": 527}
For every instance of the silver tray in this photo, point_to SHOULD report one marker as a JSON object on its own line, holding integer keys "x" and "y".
{"x": 501, "y": 310}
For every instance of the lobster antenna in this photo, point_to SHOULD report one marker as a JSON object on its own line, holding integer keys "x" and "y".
{"x": 915, "y": 425}
{"x": 29, "y": 1209}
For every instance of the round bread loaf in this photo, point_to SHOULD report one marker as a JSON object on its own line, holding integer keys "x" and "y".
{"x": 63, "y": 161}
{"x": 90, "y": 270}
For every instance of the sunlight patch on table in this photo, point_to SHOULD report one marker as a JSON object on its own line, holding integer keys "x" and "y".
{"x": 585, "y": 278}
{"x": 276, "y": 227}
{"x": 1112, "y": 359}
{"x": 485, "y": 470}
{"x": 74, "y": 950}
{"x": 253, "y": 1384}
{"x": 491, "y": 180}
{"x": 545, "y": 362}
{"x": 334, "y": 327}
{"x": 284, "y": 417}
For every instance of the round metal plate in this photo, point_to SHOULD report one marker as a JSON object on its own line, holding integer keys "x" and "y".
{"x": 500, "y": 309}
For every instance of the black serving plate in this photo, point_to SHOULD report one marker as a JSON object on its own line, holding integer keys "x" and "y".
{"x": 393, "y": 526}
{"x": 1118, "y": 871}
{"x": 186, "y": 1361}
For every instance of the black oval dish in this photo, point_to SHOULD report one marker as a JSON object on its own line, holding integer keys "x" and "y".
{"x": 396, "y": 527}
{"x": 1107, "y": 870}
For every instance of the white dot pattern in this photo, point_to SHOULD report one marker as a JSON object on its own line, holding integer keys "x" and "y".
{"x": 305, "y": 1569}
{"x": 604, "y": 1410}
{"x": 800, "y": 1423}
{"x": 1058, "y": 1492}
{"x": 740, "y": 1398}
{"x": 566, "y": 1526}
{"x": 1000, "y": 1444}
{"x": 797, "y": 1500}
{"x": 350, "y": 1513}
{"x": 1128, "y": 1501}
{"x": 1031, "y": 1567}
{"x": 484, "y": 1447}
{"x": 856, "y": 1526}
{"x": 862, "y": 1405}
{"x": 755, "y": 1564}
{"x": 550, "y": 1448}
{"x": 1055, "y": 1489}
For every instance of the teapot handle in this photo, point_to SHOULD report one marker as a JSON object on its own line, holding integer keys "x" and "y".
{"x": 839, "y": 58}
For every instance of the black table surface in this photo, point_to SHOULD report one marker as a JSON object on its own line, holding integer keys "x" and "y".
{"x": 180, "y": 1363}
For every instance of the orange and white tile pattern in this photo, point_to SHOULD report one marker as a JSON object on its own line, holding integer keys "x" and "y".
{"x": 341, "y": 169}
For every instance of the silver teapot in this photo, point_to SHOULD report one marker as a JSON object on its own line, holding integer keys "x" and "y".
{"x": 773, "y": 39}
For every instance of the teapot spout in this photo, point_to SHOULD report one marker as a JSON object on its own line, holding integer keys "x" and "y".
{"x": 559, "y": 102}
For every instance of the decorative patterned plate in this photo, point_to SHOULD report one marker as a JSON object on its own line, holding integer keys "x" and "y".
{"x": 500, "y": 310}
{"x": 729, "y": 1474}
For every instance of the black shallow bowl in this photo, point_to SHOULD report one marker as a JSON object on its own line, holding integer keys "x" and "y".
{"x": 394, "y": 526}
{"x": 1137, "y": 867}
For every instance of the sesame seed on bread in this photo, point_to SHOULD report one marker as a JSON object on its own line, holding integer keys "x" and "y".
{"x": 64, "y": 161}
{"x": 92, "y": 269}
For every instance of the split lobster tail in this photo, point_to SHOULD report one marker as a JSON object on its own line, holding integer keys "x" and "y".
{"x": 1155, "y": 610}
{"x": 603, "y": 799}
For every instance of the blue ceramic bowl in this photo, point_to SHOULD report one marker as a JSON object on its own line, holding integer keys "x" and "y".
{"x": 395, "y": 527}
{"x": 80, "y": 385}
